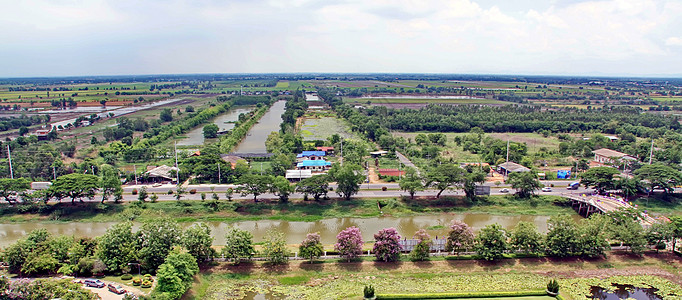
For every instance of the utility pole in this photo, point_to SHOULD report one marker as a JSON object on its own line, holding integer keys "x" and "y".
{"x": 218, "y": 173}
{"x": 177, "y": 171}
{"x": 9, "y": 156}
{"x": 135, "y": 173}
{"x": 341, "y": 152}
{"x": 651, "y": 153}
{"x": 506, "y": 169}
{"x": 54, "y": 172}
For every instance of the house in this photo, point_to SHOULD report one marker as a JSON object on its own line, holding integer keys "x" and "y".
{"x": 328, "y": 150}
{"x": 511, "y": 167}
{"x": 161, "y": 173}
{"x": 611, "y": 138}
{"x": 608, "y": 156}
{"x": 231, "y": 159}
{"x": 391, "y": 172}
{"x": 318, "y": 165}
{"x": 298, "y": 175}
{"x": 376, "y": 154}
{"x": 311, "y": 155}
{"x": 42, "y": 134}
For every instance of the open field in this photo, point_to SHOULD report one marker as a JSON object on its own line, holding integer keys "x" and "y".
{"x": 322, "y": 128}
{"x": 534, "y": 141}
{"x": 380, "y": 101}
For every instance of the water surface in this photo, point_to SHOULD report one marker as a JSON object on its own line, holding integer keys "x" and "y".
{"x": 255, "y": 139}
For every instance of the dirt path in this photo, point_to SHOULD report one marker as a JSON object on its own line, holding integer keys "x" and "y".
{"x": 373, "y": 176}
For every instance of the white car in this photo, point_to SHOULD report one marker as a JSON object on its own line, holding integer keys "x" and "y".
{"x": 546, "y": 189}
{"x": 504, "y": 190}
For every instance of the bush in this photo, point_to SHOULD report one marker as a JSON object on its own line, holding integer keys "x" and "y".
{"x": 134, "y": 191}
{"x": 126, "y": 277}
{"x": 148, "y": 277}
{"x": 146, "y": 284}
{"x": 137, "y": 281}
{"x": 368, "y": 291}
{"x": 462, "y": 295}
{"x": 553, "y": 286}
{"x": 193, "y": 191}
{"x": 170, "y": 192}
{"x": 383, "y": 188}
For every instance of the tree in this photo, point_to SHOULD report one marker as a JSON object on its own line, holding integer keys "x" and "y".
{"x": 624, "y": 225}
{"x": 422, "y": 250}
{"x": 469, "y": 181}
{"x": 525, "y": 183}
{"x": 176, "y": 275}
{"x": 238, "y": 245}
{"x": 659, "y": 176}
{"x": 311, "y": 247}
{"x": 562, "y": 238}
{"x": 47, "y": 289}
{"x": 317, "y": 186}
{"x": 211, "y": 131}
{"x": 348, "y": 179}
{"x": 659, "y": 233}
{"x": 76, "y": 185}
{"x": 111, "y": 183}
{"x": 23, "y": 130}
{"x": 275, "y": 248}
{"x": 491, "y": 242}
{"x": 592, "y": 236}
{"x": 156, "y": 238}
{"x": 197, "y": 240}
{"x": 387, "y": 245}
{"x": 166, "y": 115}
{"x": 282, "y": 188}
{"x": 253, "y": 184}
{"x": 443, "y": 177}
{"x": 349, "y": 243}
{"x": 10, "y": 188}
{"x": 15, "y": 255}
{"x": 142, "y": 195}
{"x": 676, "y": 224}
{"x": 526, "y": 238}
{"x": 601, "y": 178}
{"x": 628, "y": 186}
{"x": 117, "y": 247}
{"x": 281, "y": 163}
{"x": 460, "y": 237}
{"x": 411, "y": 182}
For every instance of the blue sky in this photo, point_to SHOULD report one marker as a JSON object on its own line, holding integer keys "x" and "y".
{"x": 562, "y": 37}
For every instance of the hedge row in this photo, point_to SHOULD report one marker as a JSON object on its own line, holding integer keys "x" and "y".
{"x": 463, "y": 295}
{"x": 227, "y": 142}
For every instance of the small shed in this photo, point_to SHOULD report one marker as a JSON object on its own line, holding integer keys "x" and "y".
{"x": 328, "y": 150}
{"x": 298, "y": 175}
{"x": 511, "y": 167}
{"x": 376, "y": 154}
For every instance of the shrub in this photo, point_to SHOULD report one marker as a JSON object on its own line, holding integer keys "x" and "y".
{"x": 368, "y": 291}
{"x": 170, "y": 192}
{"x": 553, "y": 286}
{"x": 146, "y": 284}
{"x": 126, "y": 277}
{"x": 193, "y": 191}
{"x": 134, "y": 192}
{"x": 137, "y": 281}
{"x": 383, "y": 188}
{"x": 148, "y": 277}
{"x": 462, "y": 295}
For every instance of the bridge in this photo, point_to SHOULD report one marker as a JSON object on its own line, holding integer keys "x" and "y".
{"x": 586, "y": 205}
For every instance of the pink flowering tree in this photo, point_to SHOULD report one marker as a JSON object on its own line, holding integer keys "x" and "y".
{"x": 349, "y": 243}
{"x": 311, "y": 247}
{"x": 387, "y": 246}
{"x": 460, "y": 238}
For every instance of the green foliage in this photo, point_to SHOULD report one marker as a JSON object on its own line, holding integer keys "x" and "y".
{"x": 48, "y": 289}
{"x": 444, "y": 176}
{"x": 659, "y": 176}
{"x": 526, "y": 238}
{"x": 155, "y": 239}
{"x": 211, "y": 131}
{"x": 75, "y": 185}
{"x": 525, "y": 183}
{"x": 39, "y": 264}
{"x": 348, "y": 179}
{"x": 118, "y": 246}
{"x": 311, "y": 247}
{"x": 411, "y": 182}
{"x": 282, "y": 188}
{"x": 317, "y": 186}
{"x": 10, "y": 188}
{"x": 421, "y": 251}
{"x": 491, "y": 242}
{"x": 600, "y": 178}
{"x": 368, "y": 291}
{"x": 562, "y": 238}
{"x": 175, "y": 275}
{"x": 254, "y": 184}
{"x": 126, "y": 277}
{"x": 462, "y": 295}
{"x": 275, "y": 248}
{"x": 553, "y": 286}
{"x": 238, "y": 245}
{"x": 197, "y": 240}
{"x": 461, "y": 237}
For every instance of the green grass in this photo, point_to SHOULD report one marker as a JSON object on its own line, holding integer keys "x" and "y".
{"x": 324, "y": 127}
{"x": 422, "y": 100}
{"x": 294, "y": 280}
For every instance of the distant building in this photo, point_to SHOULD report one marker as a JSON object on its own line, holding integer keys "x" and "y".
{"x": 314, "y": 165}
{"x": 42, "y": 134}
{"x": 511, "y": 167}
{"x": 376, "y": 154}
{"x": 327, "y": 150}
{"x": 608, "y": 156}
{"x": 298, "y": 175}
{"x": 311, "y": 155}
{"x": 391, "y": 172}
{"x": 231, "y": 159}
{"x": 161, "y": 173}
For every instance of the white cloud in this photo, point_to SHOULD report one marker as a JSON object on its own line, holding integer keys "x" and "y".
{"x": 178, "y": 36}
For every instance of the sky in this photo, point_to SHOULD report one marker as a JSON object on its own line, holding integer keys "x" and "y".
{"x": 541, "y": 37}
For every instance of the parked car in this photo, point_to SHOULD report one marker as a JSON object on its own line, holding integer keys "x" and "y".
{"x": 504, "y": 190}
{"x": 116, "y": 289}
{"x": 546, "y": 189}
{"x": 94, "y": 283}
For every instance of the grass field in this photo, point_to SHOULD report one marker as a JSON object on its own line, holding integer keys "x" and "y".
{"x": 534, "y": 141}
{"x": 324, "y": 127}
{"x": 422, "y": 100}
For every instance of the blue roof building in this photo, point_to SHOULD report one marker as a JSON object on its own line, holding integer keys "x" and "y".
{"x": 311, "y": 153}
{"x": 318, "y": 164}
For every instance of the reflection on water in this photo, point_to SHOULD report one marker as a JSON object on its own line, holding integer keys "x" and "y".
{"x": 624, "y": 292}
{"x": 224, "y": 122}
{"x": 295, "y": 232}
{"x": 255, "y": 139}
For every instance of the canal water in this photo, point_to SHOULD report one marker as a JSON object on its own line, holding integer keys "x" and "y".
{"x": 224, "y": 122}
{"x": 295, "y": 232}
{"x": 255, "y": 139}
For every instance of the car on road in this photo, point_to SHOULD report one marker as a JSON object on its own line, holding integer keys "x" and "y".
{"x": 94, "y": 283}
{"x": 116, "y": 289}
{"x": 504, "y": 190}
{"x": 546, "y": 189}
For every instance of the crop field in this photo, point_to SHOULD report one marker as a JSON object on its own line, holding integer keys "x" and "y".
{"x": 382, "y": 101}
{"x": 323, "y": 127}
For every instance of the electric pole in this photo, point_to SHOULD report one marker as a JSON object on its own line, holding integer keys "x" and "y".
{"x": 9, "y": 156}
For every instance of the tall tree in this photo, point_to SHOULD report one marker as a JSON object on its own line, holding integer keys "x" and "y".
{"x": 10, "y": 188}
{"x": 526, "y": 238}
{"x": 253, "y": 184}
{"x": 118, "y": 246}
{"x": 175, "y": 275}
{"x": 76, "y": 185}
{"x": 282, "y": 188}
{"x": 387, "y": 245}
{"x": 197, "y": 240}
{"x": 491, "y": 242}
{"x": 317, "y": 186}
{"x": 525, "y": 183}
{"x": 238, "y": 245}
{"x": 601, "y": 178}
{"x": 111, "y": 182}
{"x": 660, "y": 176}
{"x": 443, "y": 177}
{"x": 311, "y": 247}
{"x": 411, "y": 182}
{"x": 348, "y": 179}
{"x": 562, "y": 238}
{"x": 349, "y": 243}
{"x": 155, "y": 239}
{"x": 461, "y": 237}
{"x": 275, "y": 248}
